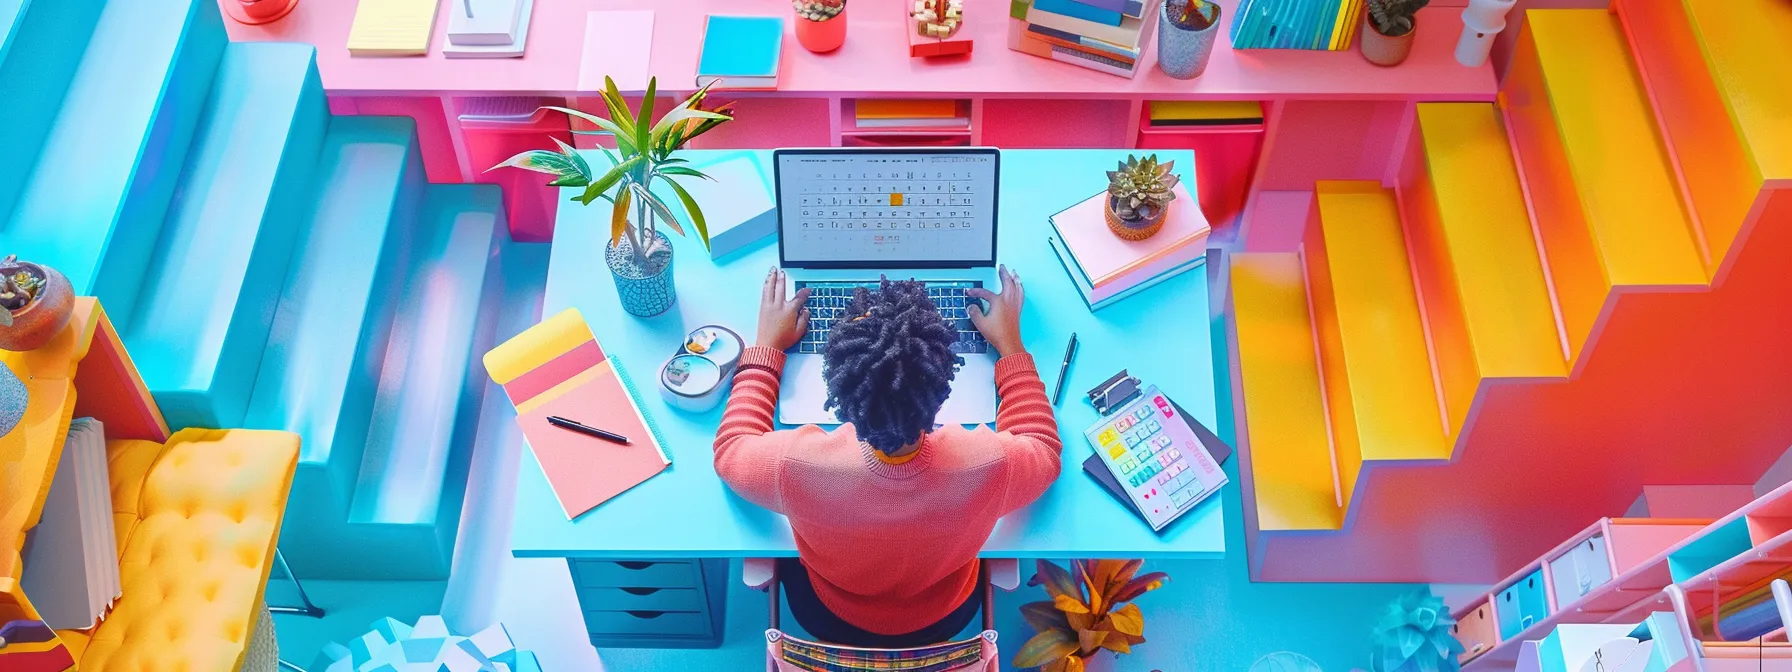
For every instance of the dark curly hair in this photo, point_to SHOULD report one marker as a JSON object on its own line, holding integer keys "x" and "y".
{"x": 890, "y": 367}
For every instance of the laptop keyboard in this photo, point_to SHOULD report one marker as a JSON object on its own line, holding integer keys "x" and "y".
{"x": 828, "y": 302}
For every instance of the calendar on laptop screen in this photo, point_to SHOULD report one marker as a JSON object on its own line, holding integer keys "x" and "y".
{"x": 870, "y": 208}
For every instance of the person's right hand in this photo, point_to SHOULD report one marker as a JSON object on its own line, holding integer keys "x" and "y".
{"x": 1000, "y": 324}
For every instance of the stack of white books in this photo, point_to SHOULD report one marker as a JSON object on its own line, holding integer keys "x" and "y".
{"x": 487, "y": 28}
{"x": 71, "y": 557}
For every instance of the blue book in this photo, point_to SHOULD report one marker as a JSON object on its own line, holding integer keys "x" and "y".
{"x": 1132, "y": 8}
{"x": 1077, "y": 10}
{"x": 1089, "y": 42}
{"x": 741, "y": 52}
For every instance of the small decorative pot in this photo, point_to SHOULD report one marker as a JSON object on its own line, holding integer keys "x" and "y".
{"x": 256, "y": 12}
{"x": 1183, "y": 53}
{"x": 648, "y": 291}
{"x": 46, "y": 315}
{"x": 822, "y": 36}
{"x": 1135, "y": 229}
{"x": 1384, "y": 50}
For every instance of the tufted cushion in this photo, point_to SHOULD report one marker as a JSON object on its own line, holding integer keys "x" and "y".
{"x": 127, "y": 465}
{"x": 197, "y": 557}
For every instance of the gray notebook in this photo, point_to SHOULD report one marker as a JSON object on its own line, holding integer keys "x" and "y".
{"x": 71, "y": 557}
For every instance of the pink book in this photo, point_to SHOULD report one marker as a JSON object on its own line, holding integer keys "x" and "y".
{"x": 1105, "y": 258}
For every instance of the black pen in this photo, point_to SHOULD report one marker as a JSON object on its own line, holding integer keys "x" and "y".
{"x": 1064, "y": 370}
{"x": 581, "y": 428}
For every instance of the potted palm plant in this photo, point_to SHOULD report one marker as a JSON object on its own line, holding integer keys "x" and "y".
{"x": 639, "y": 254}
{"x": 36, "y": 301}
{"x": 1388, "y": 30}
{"x": 1139, "y": 195}
{"x": 1185, "y": 37}
{"x": 1091, "y": 611}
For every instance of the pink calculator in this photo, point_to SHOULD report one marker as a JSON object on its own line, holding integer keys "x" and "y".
{"x": 1154, "y": 454}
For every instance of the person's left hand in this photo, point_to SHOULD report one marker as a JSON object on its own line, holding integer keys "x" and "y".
{"x": 781, "y": 323}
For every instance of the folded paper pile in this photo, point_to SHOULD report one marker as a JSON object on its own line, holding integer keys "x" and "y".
{"x": 428, "y": 646}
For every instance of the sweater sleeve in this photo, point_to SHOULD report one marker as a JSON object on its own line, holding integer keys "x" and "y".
{"x": 749, "y": 454}
{"x": 1029, "y": 432}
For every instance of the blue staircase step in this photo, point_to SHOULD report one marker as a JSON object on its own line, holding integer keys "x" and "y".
{"x": 40, "y": 46}
{"x": 108, "y": 164}
{"x": 328, "y": 339}
{"x": 202, "y": 317}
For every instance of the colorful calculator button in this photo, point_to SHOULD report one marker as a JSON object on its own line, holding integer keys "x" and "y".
{"x": 1152, "y": 426}
{"x": 1124, "y": 423}
{"x": 1108, "y": 436}
{"x": 1115, "y": 451}
{"x": 1162, "y": 442}
{"x": 1175, "y": 454}
{"x": 1141, "y": 414}
{"x": 1132, "y": 439}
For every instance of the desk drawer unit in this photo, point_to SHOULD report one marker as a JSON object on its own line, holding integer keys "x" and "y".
{"x": 652, "y": 603}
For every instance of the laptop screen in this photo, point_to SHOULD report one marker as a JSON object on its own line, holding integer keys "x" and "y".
{"x": 886, "y": 208}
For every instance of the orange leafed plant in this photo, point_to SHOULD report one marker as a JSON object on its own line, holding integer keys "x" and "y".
{"x": 1091, "y": 609}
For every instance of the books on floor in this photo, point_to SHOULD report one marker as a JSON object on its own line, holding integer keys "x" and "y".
{"x": 1321, "y": 25}
{"x": 488, "y": 28}
{"x": 909, "y": 113}
{"x": 392, "y": 27}
{"x": 557, "y": 369}
{"x": 1107, "y": 268}
{"x": 741, "y": 52}
{"x": 71, "y": 557}
{"x": 1104, "y": 35}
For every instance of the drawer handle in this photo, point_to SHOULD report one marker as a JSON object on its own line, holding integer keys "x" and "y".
{"x": 640, "y": 592}
{"x": 633, "y": 564}
{"x": 646, "y": 615}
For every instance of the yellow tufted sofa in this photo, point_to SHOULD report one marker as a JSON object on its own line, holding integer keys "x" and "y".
{"x": 197, "y": 519}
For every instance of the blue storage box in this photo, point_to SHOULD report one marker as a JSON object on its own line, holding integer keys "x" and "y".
{"x": 1521, "y": 604}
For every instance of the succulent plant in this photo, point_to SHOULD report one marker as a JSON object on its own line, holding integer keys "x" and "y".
{"x": 1141, "y": 188}
{"x": 1414, "y": 635}
{"x": 818, "y": 10}
{"x": 1393, "y": 18}
{"x": 18, "y": 284}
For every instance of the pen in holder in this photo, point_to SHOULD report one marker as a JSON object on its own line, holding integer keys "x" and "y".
{"x": 700, "y": 373}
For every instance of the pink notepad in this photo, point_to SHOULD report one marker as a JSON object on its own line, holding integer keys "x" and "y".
{"x": 1105, "y": 257}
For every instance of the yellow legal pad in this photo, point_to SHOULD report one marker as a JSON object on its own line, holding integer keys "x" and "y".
{"x": 392, "y": 27}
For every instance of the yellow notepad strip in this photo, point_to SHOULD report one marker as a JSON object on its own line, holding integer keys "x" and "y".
{"x": 392, "y": 27}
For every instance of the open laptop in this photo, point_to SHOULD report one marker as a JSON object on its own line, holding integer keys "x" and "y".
{"x": 847, "y": 216}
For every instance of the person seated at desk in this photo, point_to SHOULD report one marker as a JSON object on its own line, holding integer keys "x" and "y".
{"x": 889, "y": 512}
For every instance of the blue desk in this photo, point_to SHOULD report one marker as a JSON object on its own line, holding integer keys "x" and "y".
{"x": 1161, "y": 335}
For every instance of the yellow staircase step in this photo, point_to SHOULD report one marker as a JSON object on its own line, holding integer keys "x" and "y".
{"x": 1486, "y": 301}
{"x": 1606, "y": 202}
{"x": 1748, "y": 44}
{"x": 1284, "y": 413}
{"x": 1376, "y": 366}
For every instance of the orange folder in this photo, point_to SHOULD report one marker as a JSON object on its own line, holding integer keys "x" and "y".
{"x": 556, "y": 368}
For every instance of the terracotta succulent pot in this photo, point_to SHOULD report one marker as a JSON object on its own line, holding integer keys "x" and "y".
{"x": 822, "y": 36}
{"x": 1135, "y": 230}
{"x": 39, "y": 321}
{"x": 1384, "y": 50}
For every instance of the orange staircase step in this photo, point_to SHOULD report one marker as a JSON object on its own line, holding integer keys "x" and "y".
{"x": 1486, "y": 299}
{"x": 1603, "y": 192}
{"x": 1375, "y": 362}
{"x": 1286, "y": 439}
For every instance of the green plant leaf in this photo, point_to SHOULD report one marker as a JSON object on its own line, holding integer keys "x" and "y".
{"x": 540, "y": 161}
{"x": 618, "y": 107}
{"x": 1045, "y": 647}
{"x": 1043, "y": 616}
{"x": 690, "y": 206}
{"x": 610, "y": 179}
{"x": 572, "y": 155}
{"x": 644, "y": 119}
{"x": 619, "y": 218}
{"x": 1128, "y": 620}
{"x": 659, "y": 208}
{"x": 682, "y": 170}
{"x": 624, "y": 138}
{"x": 682, "y": 113}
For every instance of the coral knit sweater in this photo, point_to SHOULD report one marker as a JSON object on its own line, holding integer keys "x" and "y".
{"x": 891, "y": 546}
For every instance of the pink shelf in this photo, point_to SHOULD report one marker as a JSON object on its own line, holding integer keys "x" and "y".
{"x": 1046, "y": 122}
{"x": 874, "y": 60}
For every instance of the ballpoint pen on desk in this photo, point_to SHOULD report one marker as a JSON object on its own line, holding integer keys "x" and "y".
{"x": 582, "y": 428}
{"x": 1064, "y": 370}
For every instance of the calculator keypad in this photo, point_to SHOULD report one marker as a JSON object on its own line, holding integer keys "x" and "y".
{"x": 1144, "y": 456}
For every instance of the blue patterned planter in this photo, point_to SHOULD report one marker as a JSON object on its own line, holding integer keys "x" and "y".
{"x": 645, "y": 292}
{"x": 1183, "y": 53}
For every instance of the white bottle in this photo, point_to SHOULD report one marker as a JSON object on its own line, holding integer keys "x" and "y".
{"x": 1482, "y": 21}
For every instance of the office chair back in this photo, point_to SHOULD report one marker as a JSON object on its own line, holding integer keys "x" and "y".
{"x": 784, "y": 653}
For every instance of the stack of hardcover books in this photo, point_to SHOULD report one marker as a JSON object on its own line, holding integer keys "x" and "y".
{"x": 1107, "y": 268}
{"x": 1104, "y": 35}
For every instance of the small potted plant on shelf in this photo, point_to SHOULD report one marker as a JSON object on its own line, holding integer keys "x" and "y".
{"x": 1413, "y": 635}
{"x": 1388, "y": 30}
{"x": 1185, "y": 41}
{"x": 639, "y": 255}
{"x": 1091, "y": 611}
{"x": 820, "y": 24}
{"x": 1139, "y": 195}
{"x": 36, "y": 301}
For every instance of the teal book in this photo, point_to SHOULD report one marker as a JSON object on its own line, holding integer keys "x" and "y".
{"x": 741, "y": 52}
